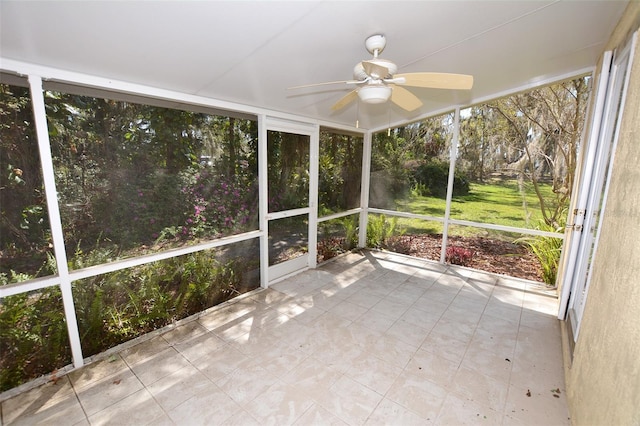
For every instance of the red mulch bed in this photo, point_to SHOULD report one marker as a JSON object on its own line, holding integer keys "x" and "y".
{"x": 489, "y": 254}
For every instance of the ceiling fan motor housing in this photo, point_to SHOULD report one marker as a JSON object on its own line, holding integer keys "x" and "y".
{"x": 360, "y": 74}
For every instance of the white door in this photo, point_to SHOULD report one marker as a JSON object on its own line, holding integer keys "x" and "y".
{"x": 291, "y": 191}
{"x": 593, "y": 184}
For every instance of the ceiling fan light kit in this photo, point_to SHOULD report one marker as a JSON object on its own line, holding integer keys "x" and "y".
{"x": 378, "y": 81}
{"x": 374, "y": 94}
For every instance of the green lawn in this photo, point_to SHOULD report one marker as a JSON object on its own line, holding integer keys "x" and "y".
{"x": 499, "y": 202}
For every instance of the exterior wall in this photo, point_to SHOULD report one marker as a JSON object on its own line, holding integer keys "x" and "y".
{"x": 603, "y": 380}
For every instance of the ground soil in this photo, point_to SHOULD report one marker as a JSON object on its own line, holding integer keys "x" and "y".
{"x": 489, "y": 254}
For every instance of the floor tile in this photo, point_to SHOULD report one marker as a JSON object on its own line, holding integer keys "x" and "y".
{"x": 446, "y": 346}
{"x": 439, "y": 293}
{"x": 348, "y": 310}
{"x": 538, "y": 303}
{"x": 488, "y": 363}
{"x": 144, "y": 350}
{"x": 240, "y": 418}
{"x": 98, "y": 370}
{"x": 421, "y": 317}
{"x": 376, "y": 321}
{"x": 156, "y": 367}
{"x": 535, "y": 403}
{"x": 475, "y": 386}
{"x": 462, "y": 411}
{"x": 408, "y": 292}
{"x": 177, "y": 387}
{"x": 502, "y": 343}
{"x": 136, "y": 409}
{"x": 199, "y": 345}
{"x": 390, "y": 308}
{"x": 450, "y": 326}
{"x": 417, "y": 395}
{"x": 281, "y": 404}
{"x": 51, "y": 403}
{"x": 184, "y": 332}
{"x": 427, "y": 366}
{"x": 100, "y": 394}
{"x": 318, "y": 416}
{"x": 210, "y": 406}
{"x": 369, "y": 370}
{"x": 365, "y": 298}
{"x": 408, "y": 333}
{"x": 392, "y": 350}
{"x": 349, "y": 400}
{"x": 390, "y": 413}
{"x": 313, "y": 375}
{"x": 221, "y": 362}
{"x": 246, "y": 382}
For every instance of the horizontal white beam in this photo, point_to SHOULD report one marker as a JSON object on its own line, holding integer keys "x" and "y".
{"x": 339, "y": 215}
{"x": 492, "y": 226}
{"x": 92, "y": 271}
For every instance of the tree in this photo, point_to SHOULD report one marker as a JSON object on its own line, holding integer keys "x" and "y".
{"x": 545, "y": 126}
{"x": 24, "y": 225}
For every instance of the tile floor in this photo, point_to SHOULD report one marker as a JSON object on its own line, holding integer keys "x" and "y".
{"x": 371, "y": 338}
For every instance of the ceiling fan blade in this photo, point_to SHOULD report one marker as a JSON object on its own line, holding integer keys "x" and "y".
{"x": 405, "y": 99}
{"x": 320, "y": 84}
{"x": 435, "y": 80}
{"x": 345, "y": 100}
{"x": 375, "y": 70}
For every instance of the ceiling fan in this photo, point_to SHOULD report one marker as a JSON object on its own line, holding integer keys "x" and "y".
{"x": 378, "y": 81}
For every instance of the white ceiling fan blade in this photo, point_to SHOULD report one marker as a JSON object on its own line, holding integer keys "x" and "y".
{"x": 328, "y": 83}
{"x": 435, "y": 80}
{"x": 405, "y": 99}
{"x": 375, "y": 70}
{"x": 345, "y": 100}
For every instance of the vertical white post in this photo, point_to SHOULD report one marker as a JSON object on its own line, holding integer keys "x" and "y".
{"x": 263, "y": 201}
{"x": 314, "y": 168}
{"x": 453, "y": 153}
{"x": 44, "y": 146}
{"x": 365, "y": 181}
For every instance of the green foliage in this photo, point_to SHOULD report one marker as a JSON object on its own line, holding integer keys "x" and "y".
{"x": 119, "y": 306}
{"x": 339, "y": 172}
{"x": 547, "y": 250}
{"x": 432, "y": 178}
{"x": 351, "y": 229}
{"x": 33, "y": 336}
{"x": 380, "y": 229}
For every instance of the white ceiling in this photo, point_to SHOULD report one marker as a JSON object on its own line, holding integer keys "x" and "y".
{"x": 250, "y": 52}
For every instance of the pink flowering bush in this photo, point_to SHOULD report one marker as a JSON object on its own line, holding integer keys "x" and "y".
{"x": 219, "y": 205}
{"x": 458, "y": 255}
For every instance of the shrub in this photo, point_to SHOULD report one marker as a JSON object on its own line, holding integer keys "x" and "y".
{"x": 379, "y": 229}
{"x": 547, "y": 250}
{"x": 432, "y": 178}
{"x": 458, "y": 255}
{"x": 33, "y": 336}
{"x": 330, "y": 247}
